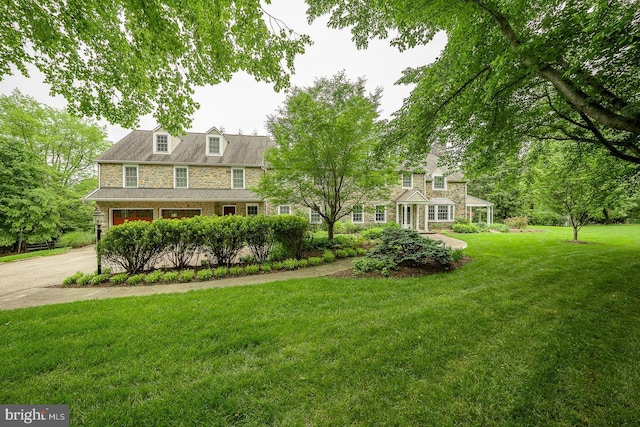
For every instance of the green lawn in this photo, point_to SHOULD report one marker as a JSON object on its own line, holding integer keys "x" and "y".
{"x": 534, "y": 332}
{"x": 34, "y": 254}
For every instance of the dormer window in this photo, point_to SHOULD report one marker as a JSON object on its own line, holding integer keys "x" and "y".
{"x": 214, "y": 146}
{"x": 439, "y": 182}
{"x": 407, "y": 180}
{"x": 161, "y": 143}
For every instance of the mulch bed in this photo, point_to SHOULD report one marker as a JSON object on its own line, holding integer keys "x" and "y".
{"x": 407, "y": 270}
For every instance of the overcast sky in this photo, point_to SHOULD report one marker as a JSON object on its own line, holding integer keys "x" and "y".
{"x": 243, "y": 104}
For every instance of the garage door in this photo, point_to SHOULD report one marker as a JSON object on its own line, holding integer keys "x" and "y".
{"x": 120, "y": 216}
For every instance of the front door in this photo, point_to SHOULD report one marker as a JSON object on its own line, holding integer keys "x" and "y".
{"x": 406, "y": 216}
{"x": 229, "y": 210}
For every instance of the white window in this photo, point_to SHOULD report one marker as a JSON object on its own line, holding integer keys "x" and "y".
{"x": 314, "y": 217}
{"x": 181, "y": 177}
{"x": 284, "y": 210}
{"x": 407, "y": 180}
{"x": 131, "y": 176}
{"x": 162, "y": 143}
{"x": 213, "y": 145}
{"x": 237, "y": 178}
{"x": 357, "y": 214}
{"x": 432, "y": 213}
{"x": 252, "y": 210}
{"x": 439, "y": 183}
{"x": 381, "y": 213}
{"x": 440, "y": 213}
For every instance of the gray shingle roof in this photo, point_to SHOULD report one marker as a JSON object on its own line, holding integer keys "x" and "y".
{"x": 431, "y": 164}
{"x": 173, "y": 194}
{"x": 137, "y": 147}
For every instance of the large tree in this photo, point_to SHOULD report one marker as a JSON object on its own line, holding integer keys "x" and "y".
{"x": 124, "y": 58}
{"x": 512, "y": 71}
{"x": 324, "y": 159}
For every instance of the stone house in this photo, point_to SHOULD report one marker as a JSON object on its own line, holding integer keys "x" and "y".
{"x": 150, "y": 174}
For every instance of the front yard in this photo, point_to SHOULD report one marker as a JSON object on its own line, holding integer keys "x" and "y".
{"x": 534, "y": 331}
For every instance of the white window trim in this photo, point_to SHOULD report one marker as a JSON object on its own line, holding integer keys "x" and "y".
{"x": 451, "y": 213}
{"x": 375, "y": 214}
{"x": 155, "y": 143}
{"x": 284, "y": 206}
{"x": 311, "y": 212}
{"x": 353, "y": 220}
{"x": 252, "y": 205}
{"x": 244, "y": 183}
{"x": 402, "y": 180}
{"x": 433, "y": 183}
{"x": 124, "y": 175}
{"x": 209, "y": 153}
{"x": 175, "y": 176}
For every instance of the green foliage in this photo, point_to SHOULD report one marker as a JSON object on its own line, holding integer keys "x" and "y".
{"x": 100, "y": 278}
{"x": 545, "y": 218}
{"x": 170, "y": 276}
{"x": 302, "y": 263}
{"x": 186, "y": 276}
{"x": 520, "y": 222}
{"x": 204, "y": 275}
{"x": 314, "y": 260}
{"x": 131, "y": 246}
{"x": 136, "y": 279}
{"x": 290, "y": 264}
{"x": 277, "y": 265}
{"x": 222, "y": 237}
{"x": 502, "y": 228}
{"x": 265, "y": 266}
{"x": 379, "y": 265}
{"x": 290, "y": 231}
{"x": 351, "y": 252}
{"x": 221, "y": 272}
{"x": 372, "y": 233}
{"x": 260, "y": 236}
{"x": 361, "y": 251}
{"x": 328, "y": 256}
{"x": 177, "y": 239}
{"x": 76, "y": 239}
{"x": 118, "y": 279}
{"x": 85, "y": 279}
{"x": 72, "y": 280}
{"x": 236, "y": 271}
{"x": 461, "y": 220}
{"x": 457, "y": 254}
{"x": 252, "y": 269}
{"x": 465, "y": 228}
{"x": 341, "y": 253}
{"x": 153, "y": 277}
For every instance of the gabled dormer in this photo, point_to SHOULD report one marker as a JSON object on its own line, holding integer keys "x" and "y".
{"x": 439, "y": 182}
{"x": 163, "y": 143}
{"x": 215, "y": 142}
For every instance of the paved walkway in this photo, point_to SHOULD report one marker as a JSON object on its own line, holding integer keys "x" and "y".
{"x": 44, "y": 293}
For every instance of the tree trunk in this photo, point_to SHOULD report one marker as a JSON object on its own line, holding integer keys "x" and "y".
{"x": 330, "y": 230}
{"x": 575, "y": 233}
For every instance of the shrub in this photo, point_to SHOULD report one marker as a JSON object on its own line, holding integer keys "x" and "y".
{"x": 545, "y": 218}
{"x": 315, "y": 260}
{"x": 482, "y": 226}
{"x": 135, "y": 279}
{"x": 503, "y": 228}
{"x": 345, "y": 241}
{"x": 351, "y": 252}
{"x": 223, "y": 237}
{"x": 85, "y": 279}
{"x": 351, "y": 228}
{"x": 170, "y": 276}
{"x": 98, "y": 279}
{"x": 131, "y": 246}
{"x": 290, "y": 231}
{"x": 290, "y": 264}
{"x": 236, "y": 271}
{"x": 265, "y": 266}
{"x": 520, "y": 222}
{"x": 76, "y": 239}
{"x": 457, "y": 254}
{"x": 278, "y": 253}
{"x": 221, "y": 272}
{"x": 204, "y": 275}
{"x": 465, "y": 228}
{"x": 178, "y": 239}
{"x": 361, "y": 251}
{"x": 153, "y": 277}
{"x": 365, "y": 265}
{"x": 72, "y": 280}
{"x": 302, "y": 263}
{"x": 372, "y": 233}
{"x": 186, "y": 276}
{"x": 328, "y": 256}
{"x": 461, "y": 220}
{"x": 277, "y": 265}
{"x": 341, "y": 253}
{"x": 260, "y": 236}
{"x": 119, "y": 278}
{"x": 252, "y": 269}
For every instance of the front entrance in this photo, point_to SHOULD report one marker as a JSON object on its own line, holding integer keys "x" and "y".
{"x": 406, "y": 216}
{"x": 229, "y": 210}
{"x": 120, "y": 216}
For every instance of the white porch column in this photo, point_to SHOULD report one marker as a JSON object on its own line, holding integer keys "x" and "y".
{"x": 397, "y": 213}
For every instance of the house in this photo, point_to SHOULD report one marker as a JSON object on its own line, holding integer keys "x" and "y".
{"x": 150, "y": 174}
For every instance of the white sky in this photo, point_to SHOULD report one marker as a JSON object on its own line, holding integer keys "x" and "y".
{"x": 243, "y": 104}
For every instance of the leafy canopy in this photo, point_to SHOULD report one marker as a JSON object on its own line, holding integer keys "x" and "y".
{"x": 122, "y": 59}
{"x": 512, "y": 71}
{"x": 324, "y": 158}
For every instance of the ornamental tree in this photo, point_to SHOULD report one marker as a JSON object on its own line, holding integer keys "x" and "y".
{"x": 324, "y": 159}
{"x": 511, "y": 72}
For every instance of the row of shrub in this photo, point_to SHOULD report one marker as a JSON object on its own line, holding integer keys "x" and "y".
{"x": 189, "y": 275}
{"x": 136, "y": 246}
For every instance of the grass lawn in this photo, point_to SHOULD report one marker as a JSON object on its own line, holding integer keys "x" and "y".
{"x": 534, "y": 332}
{"x": 34, "y": 254}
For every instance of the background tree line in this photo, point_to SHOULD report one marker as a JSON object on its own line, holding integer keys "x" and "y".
{"x": 47, "y": 164}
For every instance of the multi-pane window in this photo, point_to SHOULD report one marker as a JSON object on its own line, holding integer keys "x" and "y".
{"x": 284, "y": 210}
{"x": 432, "y": 213}
{"x": 131, "y": 176}
{"x": 357, "y": 214}
{"x": 439, "y": 183}
{"x": 443, "y": 213}
{"x": 440, "y": 213}
{"x": 237, "y": 178}
{"x": 407, "y": 180}
{"x": 314, "y": 217}
{"x": 252, "y": 210}
{"x": 162, "y": 143}
{"x": 213, "y": 145}
{"x": 381, "y": 213}
{"x": 181, "y": 177}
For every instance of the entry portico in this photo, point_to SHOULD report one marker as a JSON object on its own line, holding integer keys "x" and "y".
{"x": 410, "y": 210}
